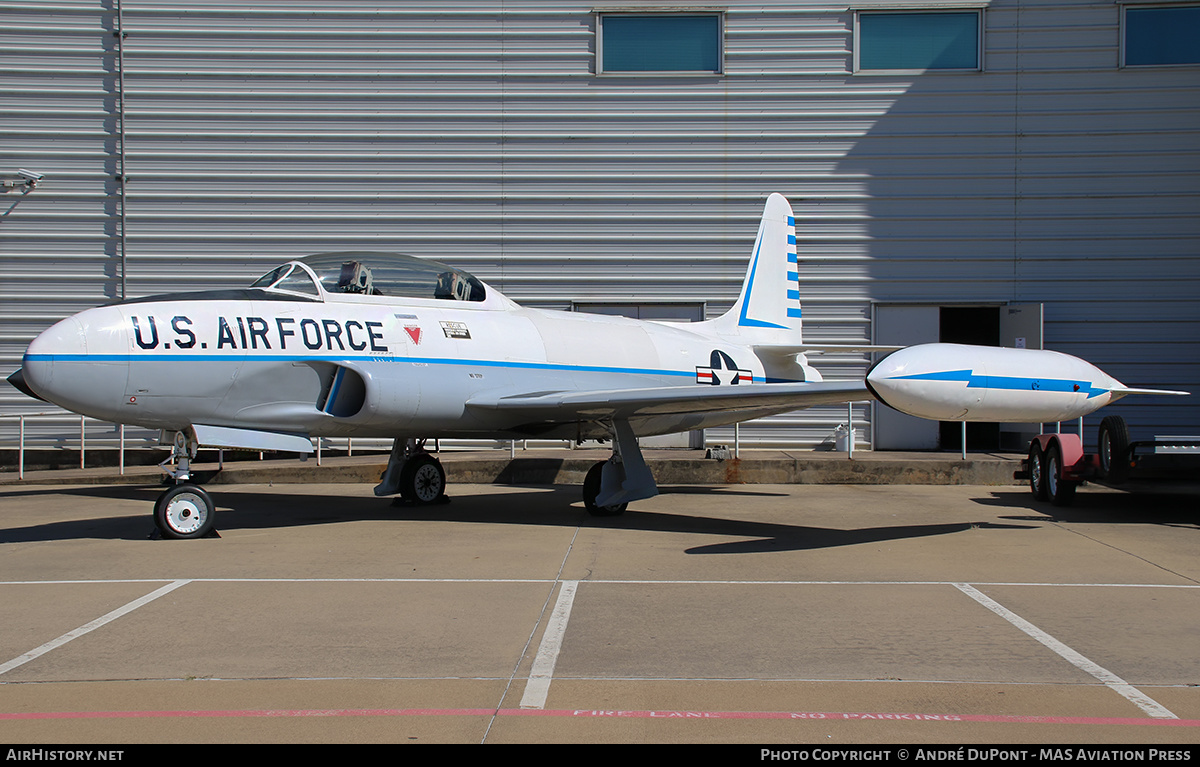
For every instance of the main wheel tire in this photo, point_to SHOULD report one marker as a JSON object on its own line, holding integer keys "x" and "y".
{"x": 423, "y": 481}
{"x": 185, "y": 512}
{"x": 1113, "y": 448}
{"x": 1037, "y": 471}
{"x": 591, "y": 489}
{"x": 1061, "y": 492}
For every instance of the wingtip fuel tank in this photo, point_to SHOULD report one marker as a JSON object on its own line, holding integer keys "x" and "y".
{"x": 955, "y": 382}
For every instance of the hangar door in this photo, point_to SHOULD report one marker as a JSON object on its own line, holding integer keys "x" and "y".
{"x": 1011, "y": 325}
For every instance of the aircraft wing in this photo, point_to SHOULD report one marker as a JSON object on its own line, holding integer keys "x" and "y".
{"x": 568, "y": 406}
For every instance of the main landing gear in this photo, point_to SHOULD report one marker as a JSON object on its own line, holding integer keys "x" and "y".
{"x": 610, "y": 485}
{"x": 414, "y": 474}
{"x": 184, "y": 511}
{"x": 419, "y": 479}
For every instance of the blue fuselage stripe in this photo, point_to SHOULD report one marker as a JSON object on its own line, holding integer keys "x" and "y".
{"x": 127, "y": 358}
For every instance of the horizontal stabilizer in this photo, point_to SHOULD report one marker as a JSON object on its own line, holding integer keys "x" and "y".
{"x": 846, "y": 348}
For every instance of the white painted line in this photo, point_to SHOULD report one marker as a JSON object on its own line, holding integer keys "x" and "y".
{"x": 1110, "y": 680}
{"x": 612, "y": 582}
{"x": 538, "y": 686}
{"x": 37, "y": 652}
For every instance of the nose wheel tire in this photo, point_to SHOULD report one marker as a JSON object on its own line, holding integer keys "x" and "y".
{"x": 184, "y": 512}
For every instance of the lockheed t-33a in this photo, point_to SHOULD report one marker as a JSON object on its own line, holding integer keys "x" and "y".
{"x": 377, "y": 345}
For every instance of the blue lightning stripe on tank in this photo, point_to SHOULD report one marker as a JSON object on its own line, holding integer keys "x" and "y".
{"x": 1009, "y": 383}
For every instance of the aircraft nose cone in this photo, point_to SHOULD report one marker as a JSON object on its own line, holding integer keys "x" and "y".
{"x": 63, "y": 340}
{"x": 17, "y": 379}
{"x": 80, "y": 364}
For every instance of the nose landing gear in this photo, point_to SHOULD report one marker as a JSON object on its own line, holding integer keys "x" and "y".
{"x": 185, "y": 511}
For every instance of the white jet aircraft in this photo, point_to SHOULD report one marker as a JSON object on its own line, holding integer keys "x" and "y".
{"x": 361, "y": 344}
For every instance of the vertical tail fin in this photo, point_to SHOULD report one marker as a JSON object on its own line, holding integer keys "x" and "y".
{"x": 768, "y": 310}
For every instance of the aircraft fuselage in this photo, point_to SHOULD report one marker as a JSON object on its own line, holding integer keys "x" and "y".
{"x": 361, "y": 366}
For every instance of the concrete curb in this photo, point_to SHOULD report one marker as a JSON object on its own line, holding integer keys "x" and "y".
{"x": 568, "y": 467}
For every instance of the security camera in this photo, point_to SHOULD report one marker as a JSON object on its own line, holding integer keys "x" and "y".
{"x": 29, "y": 175}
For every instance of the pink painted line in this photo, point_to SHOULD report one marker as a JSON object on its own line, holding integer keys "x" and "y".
{"x": 609, "y": 714}
{"x": 253, "y": 713}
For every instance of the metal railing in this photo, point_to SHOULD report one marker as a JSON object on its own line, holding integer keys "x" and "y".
{"x": 320, "y": 444}
{"x": 122, "y": 446}
{"x": 22, "y": 435}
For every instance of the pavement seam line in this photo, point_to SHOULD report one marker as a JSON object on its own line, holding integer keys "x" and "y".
{"x": 557, "y": 580}
{"x": 1126, "y": 552}
{"x": 1083, "y": 663}
{"x": 87, "y": 628}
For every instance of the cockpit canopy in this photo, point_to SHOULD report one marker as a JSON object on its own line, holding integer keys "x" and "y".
{"x": 372, "y": 274}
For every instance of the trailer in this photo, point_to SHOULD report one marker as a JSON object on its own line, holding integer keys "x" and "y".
{"x": 1057, "y": 463}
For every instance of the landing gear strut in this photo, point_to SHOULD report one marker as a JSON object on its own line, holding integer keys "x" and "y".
{"x": 414, "y": 474}
{"x": 610, "y": 485}
{"x": 185, "y": 511}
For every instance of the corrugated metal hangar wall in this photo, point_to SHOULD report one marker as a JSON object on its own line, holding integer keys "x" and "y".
{"x": 189, "y": 144}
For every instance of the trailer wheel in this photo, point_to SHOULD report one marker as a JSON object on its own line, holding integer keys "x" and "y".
{"x": 1037, "y": 471}
{"x": 1061, "y": 492}
{"x": 1114, "y": 449}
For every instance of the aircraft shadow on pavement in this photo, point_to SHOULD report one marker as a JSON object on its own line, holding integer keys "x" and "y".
{"x": 1108, "y": 508}
{"x": 125, "y": 527}
{"x": 557, "y": 506}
